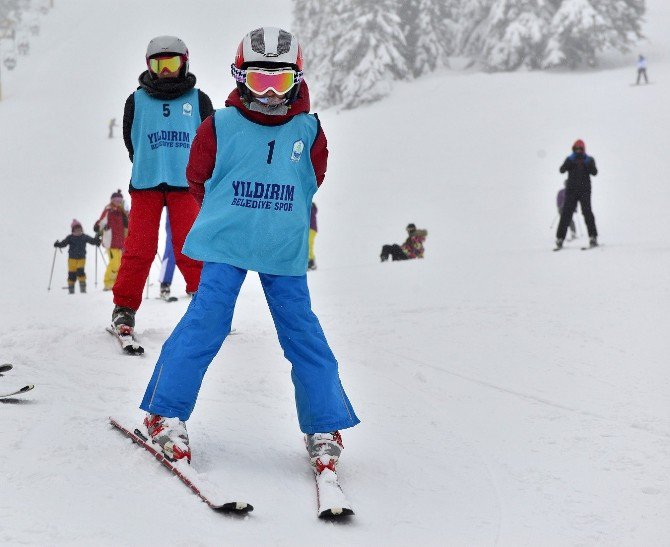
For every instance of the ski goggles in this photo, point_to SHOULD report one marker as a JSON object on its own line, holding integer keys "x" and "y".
{"x": 170, "y": 64}
{"x": 261, "y": 81}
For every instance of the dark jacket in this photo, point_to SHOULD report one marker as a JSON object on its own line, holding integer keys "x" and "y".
{"x": 161, "y": 89}
{"x": 579, "y": 167}
{"x": 77, "y": 244}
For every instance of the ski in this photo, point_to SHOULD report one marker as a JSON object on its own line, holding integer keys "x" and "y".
{"x": 184, "y": 472}
{"x": 167, "y": 298}
{"x": 592, "y": 247}
{"x": 557, "y": 249}
{"x": 18, "y": 391}
{"x": 6, "y": 367}
{"x": 331, "y": 501}
{"x": 128, "y": 342}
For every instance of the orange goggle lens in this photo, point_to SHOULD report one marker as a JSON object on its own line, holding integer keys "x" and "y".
{"x": 261, "y": 81}
{"x": 169, "y": 64}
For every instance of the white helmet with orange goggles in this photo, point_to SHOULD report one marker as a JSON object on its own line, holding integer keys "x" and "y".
{"x": 167, "y": 54}
{"x": 268, "y": 58}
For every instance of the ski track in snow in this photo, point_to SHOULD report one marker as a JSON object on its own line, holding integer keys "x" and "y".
{"x": 508, "y": 395}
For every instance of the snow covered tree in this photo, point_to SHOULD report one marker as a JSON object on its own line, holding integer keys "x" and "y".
{"x": 582, "y": 28}
{"x": 472, "y": 15}
{"x": 515, "y": 34}
{"x": 369, "y": 55}
{"x": 353, "y": 49}
{"x": 430, "y": 33}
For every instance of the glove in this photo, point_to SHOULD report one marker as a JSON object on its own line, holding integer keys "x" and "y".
{"x": 56, "y": 243}
{"x": 97, "y": 241}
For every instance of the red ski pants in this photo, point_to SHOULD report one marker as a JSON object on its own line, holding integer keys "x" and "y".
{"x": 142, "y": 242}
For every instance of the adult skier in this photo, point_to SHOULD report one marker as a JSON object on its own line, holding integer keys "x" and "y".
{"x": 159, "y": 124}
{"x": 579, "y": 167}
{"x": 263, "y": 157}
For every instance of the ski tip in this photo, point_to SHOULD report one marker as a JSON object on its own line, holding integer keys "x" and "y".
{"x": 240, "y": 507}
{"x": 336, "y": 513}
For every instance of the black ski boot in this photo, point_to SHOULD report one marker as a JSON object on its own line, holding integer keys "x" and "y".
{"x": 82, "y": 286}
{"x": 559, "y": 244}
{"x": 70, "y": 289}
{"x": 165, "y": 291}
{"x": 593, "y": 241}
{"x": 123, "y": 319}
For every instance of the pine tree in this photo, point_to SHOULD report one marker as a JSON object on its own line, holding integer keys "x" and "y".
{"x": 368, "y": 55}
{"x": 580, "y": 29}
{"x": 515, "y": 34}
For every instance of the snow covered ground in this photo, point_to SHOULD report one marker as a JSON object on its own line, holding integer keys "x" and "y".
{"x": 509, "y": 395}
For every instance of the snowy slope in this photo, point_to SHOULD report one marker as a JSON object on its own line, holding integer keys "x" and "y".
{"x": 509, "y": 395}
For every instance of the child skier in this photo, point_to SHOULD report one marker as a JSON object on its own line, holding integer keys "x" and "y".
{"x": 311, "y": 262}
{"x": 560, "y": 201}
{"x": 412, "y": 248}
{"x": 112, "y": 227}
{"x": 263, "y": 158}
{"x": 76, "y": 262}
{"x": 159, "y": 123}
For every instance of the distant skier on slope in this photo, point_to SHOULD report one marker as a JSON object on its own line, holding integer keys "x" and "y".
{"x": 266, "y": 134}
{"x": 76, "y": 262}
{"x": 412, "y": 248}
{"x": 112, "y": 226}
{"x": 159, "y": 123}
{"x": 642, "y": 69}
{"x": 560, "y": 201}
{"x": 580, "y": 167}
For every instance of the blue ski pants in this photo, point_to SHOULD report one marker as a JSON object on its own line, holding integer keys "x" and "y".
{"x": 322, "y": 404}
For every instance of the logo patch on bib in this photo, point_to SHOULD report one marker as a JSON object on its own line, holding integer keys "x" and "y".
{"x": 187, "y": 109}
{"x": 298, "y": 147}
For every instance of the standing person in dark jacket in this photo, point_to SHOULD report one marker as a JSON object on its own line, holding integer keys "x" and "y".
{"x": 76, "y": 262}
{"x": 159, "y": 124}
{"x": 579, "y": 167}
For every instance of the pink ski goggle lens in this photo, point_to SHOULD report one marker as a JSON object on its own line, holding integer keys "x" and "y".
{"x": 262, "y": 81}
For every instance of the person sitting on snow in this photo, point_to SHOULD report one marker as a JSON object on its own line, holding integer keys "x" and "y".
{"x": 412, "y": 248}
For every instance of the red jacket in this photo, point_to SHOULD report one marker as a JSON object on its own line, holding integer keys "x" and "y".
{"x": 112, "y": 225}
{"x": 203, "y": 148}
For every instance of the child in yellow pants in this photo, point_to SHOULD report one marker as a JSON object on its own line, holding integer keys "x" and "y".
{"x": 76, "y": 263}
{"x": 311, "y": 263}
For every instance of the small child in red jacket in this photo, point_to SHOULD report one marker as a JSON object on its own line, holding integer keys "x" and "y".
{"x": 112, "y": 226}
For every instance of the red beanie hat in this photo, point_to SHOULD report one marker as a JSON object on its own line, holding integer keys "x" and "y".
{"x": 579, "y": 143}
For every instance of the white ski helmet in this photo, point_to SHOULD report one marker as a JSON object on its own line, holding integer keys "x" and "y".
{"x": 268, "y": 47}
{"x": 166, "y": 45}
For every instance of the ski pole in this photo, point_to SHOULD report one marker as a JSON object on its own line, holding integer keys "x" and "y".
{"x": 53, "y": 263}
{"x": 96, "y": 270}
{"x": 102, "y": 256}
{"x": 553, "y": 222}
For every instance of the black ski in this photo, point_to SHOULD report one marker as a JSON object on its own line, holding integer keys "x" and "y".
{"x": 6, "y": 367}
{"x": 17, "y": 391}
